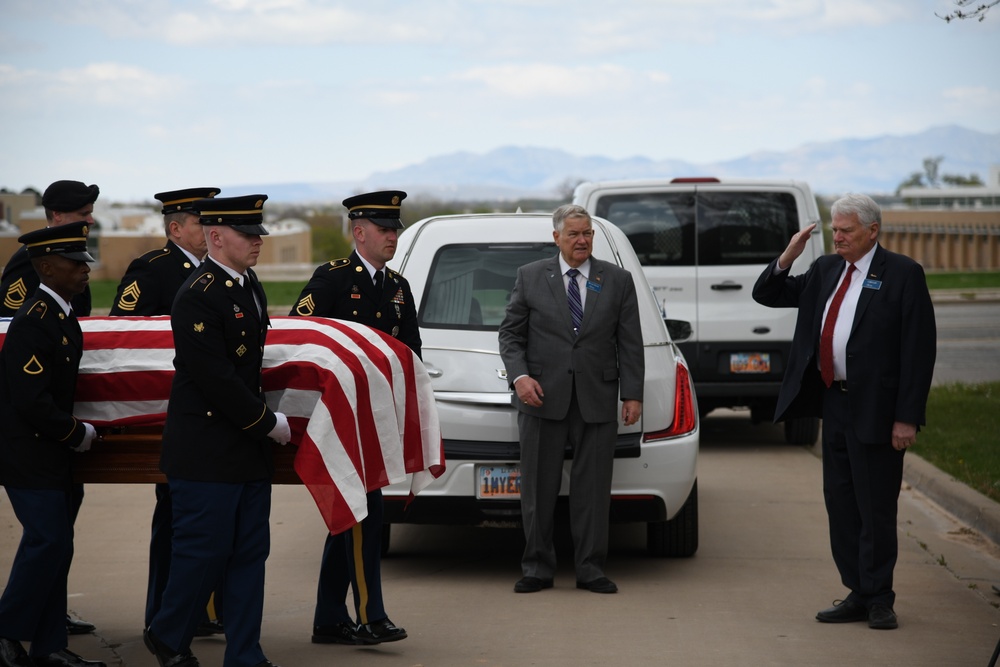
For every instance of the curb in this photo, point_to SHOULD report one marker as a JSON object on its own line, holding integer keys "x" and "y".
{"x": 961, "y": 501}
{"x": 980, "y": 295}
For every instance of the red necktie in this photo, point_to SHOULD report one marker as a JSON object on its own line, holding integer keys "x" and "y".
{"x": 826, "y": 338}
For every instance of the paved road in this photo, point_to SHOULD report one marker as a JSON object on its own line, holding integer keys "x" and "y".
{"x": 968, "y": 342}
{"x": 748, "y": 597}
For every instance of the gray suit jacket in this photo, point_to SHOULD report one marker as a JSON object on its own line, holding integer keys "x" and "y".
{"x": 537, "y": 339}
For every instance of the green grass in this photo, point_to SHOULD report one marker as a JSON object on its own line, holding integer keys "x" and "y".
{"x": 102, "y": 293}
{"x": 963, "y": 280}
{"x": 960, "y": 437}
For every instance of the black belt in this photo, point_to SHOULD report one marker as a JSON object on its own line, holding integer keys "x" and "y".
{"x": 840, "y": 385}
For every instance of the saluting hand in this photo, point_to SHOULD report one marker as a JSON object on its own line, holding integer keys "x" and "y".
{"x": 796, "y": 246}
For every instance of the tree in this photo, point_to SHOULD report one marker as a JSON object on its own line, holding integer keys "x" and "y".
{"x": 958, "y": 180}
{"x": 929, "y": 177}
{"x": 931, "y": 165}
{"x": 979, "y": 13}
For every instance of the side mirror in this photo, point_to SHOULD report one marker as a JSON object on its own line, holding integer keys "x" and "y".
{"x": 679, "y": 330}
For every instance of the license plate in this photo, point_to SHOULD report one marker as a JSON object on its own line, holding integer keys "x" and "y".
{"x": 498, "y": 482}
{"x": 750, "y": 362}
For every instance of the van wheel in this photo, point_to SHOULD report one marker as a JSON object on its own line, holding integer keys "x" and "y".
{"x": 385, "y": 539}
{"x": 677, "y": 538}
{"x": 802, "y": 430}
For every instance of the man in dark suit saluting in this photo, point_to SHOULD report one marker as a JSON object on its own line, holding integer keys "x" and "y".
{"x": 571, "y": 343}
{"x": 217, "y": 442}
{"x": 862, "y": 359}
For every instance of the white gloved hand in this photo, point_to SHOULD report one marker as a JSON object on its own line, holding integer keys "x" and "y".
{"x": 281, "y": 433}
{"x": 89, "y": 433}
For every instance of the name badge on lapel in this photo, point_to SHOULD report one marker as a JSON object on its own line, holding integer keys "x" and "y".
{"x": 871, "y": 283}
{"x": 593, "y": 287}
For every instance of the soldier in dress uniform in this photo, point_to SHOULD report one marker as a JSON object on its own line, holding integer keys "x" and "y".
{"x": 39, "y": 363}
{"x": 148, "y": 288}
{"x": 217, "y": 442}
{"x": 360, "y": 288}
{"x": 64, "y": 202}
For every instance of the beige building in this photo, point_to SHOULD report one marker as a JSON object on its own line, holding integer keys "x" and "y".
{"x": 125, "y": 233}
{"x": 947, "y": 229}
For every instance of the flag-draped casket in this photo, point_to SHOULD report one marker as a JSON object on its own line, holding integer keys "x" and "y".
{"x": 359, "y": 404}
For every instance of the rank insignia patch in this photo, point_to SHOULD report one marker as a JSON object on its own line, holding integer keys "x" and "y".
{"x": 33, "y": 367}
{"x": 306, "y": 306}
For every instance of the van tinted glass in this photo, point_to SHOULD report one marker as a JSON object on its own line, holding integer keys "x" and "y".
{"x": 744, "y": 227}
{"x": 468, "y": 285}
{"x": 660, "y": 226}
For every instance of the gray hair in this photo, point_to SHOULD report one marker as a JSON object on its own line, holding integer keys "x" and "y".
{"x": 863, "y": 206}
{"x": 560, "y": 215}
{"x": 179, "y": 216}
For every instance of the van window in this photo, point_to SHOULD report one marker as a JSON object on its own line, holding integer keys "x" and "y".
{"x": 660, "y": 226}
{"x": 469, "y": 285}
{"x": 732, "y": 227}
{"x": 744, "y": 227}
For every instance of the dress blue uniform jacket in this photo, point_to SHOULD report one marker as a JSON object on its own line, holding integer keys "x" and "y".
{"x": 151, "y": 282}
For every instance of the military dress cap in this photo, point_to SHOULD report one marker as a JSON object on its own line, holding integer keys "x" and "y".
{"x": 70, "y": 241}
{"x": 244, "y": 214}
{"x": 177, "y": 201}
{"x": 68, "y": 196}
{"x": 382, "y": 208}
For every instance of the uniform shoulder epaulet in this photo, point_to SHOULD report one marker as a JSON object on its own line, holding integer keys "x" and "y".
{"x": 154, "y": 255}
{"x": 393, "y": 274}
{"x": 338, "y": 263}
{"x": 203, "y": 281}
{"x": 38, "y": 309}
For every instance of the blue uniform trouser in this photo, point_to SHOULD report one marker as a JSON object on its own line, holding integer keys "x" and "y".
{"x": 217, "y": 527}
{"x": 353, "y": 558}
{"x": 33, "y": 606}
{"x": 160, "y": 540}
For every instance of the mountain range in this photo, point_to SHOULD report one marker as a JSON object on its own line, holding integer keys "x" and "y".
{"x": 873, "y": 166}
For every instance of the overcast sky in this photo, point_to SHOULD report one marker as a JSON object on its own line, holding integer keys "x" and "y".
{"x": 140, "y": 96}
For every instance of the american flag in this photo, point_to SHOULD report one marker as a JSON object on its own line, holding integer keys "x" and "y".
{"x": 359, "y": 403}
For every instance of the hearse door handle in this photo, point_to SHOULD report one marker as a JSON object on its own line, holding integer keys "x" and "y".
{"x": 726, "y": 286}
{"x": 433, "y": 372}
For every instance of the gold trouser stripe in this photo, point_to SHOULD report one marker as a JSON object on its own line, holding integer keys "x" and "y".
{"x": 210, "y": 608}
{"x": 359, "y": 574}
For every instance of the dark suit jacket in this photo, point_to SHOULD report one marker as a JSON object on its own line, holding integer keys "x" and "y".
{"x": 343, "y": 290}
{"x": 38, "y": 369}
{"x": 19, "y": 280}
{"x": 151, "y": 282}
{"x": 890, "y": 352}
{"x": 217, "y": 421}
{"x": 536, "y": 339}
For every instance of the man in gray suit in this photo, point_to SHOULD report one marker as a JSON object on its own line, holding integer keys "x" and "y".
{"x": 570, "y": 339}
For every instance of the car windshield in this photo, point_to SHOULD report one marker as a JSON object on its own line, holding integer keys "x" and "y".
{"x": 468, "y": 285}
{"x": 708, "y": 229}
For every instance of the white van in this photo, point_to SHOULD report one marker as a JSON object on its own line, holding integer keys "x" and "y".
{"x": 702, "y": 243}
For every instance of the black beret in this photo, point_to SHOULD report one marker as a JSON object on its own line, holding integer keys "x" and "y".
{"x": 68, "y": 240}
{"x": 244, "y": 214}
{"x": 382, "y": 208}
{"x": 68, "y": 196}
{"x": 176, "y": 201}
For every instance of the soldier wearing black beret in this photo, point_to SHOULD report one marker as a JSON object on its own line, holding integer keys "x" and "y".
{"x": 64, "y": 201}
{"x": 217, "y": 441}
{"x": 148, "y": 288}
{"x": 39, "y": 363}
{"x": 360, "y": 288}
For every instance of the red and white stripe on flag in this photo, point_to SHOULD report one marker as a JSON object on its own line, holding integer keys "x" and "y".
{"x": 359, "y": 403}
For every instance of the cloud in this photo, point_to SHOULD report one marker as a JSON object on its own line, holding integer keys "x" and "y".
{"x": 104, "y": 84}
{"x": 548, "y": 81}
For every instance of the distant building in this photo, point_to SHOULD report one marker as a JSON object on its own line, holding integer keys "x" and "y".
{"x": 948, "y": 229}
{"x": 123, "y": 233}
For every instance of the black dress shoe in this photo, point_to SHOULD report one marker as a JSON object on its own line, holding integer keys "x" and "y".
{"x": 166, "y": 656}
{"x": 882, "y": 617}
{"x": 265, "y": 663}
{"x": 209, "y": 628}
{"x": 12, "y": 654}
{"x": 599, "y": 585}
{"x": 531, "y": 584}
{"x": 847, "y": 611}
{"x": 65, "y": 658}
{"x": 75, "y": 626}
{"x": 341, "y": 633}
{"x": 379, "y": 632}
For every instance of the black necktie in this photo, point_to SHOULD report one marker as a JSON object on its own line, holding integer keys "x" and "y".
{"x": 378, "y": 281}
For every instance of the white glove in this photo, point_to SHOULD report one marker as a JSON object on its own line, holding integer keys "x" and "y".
{"x": 89, "y": 433}
{"x": 281, "y": 433}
